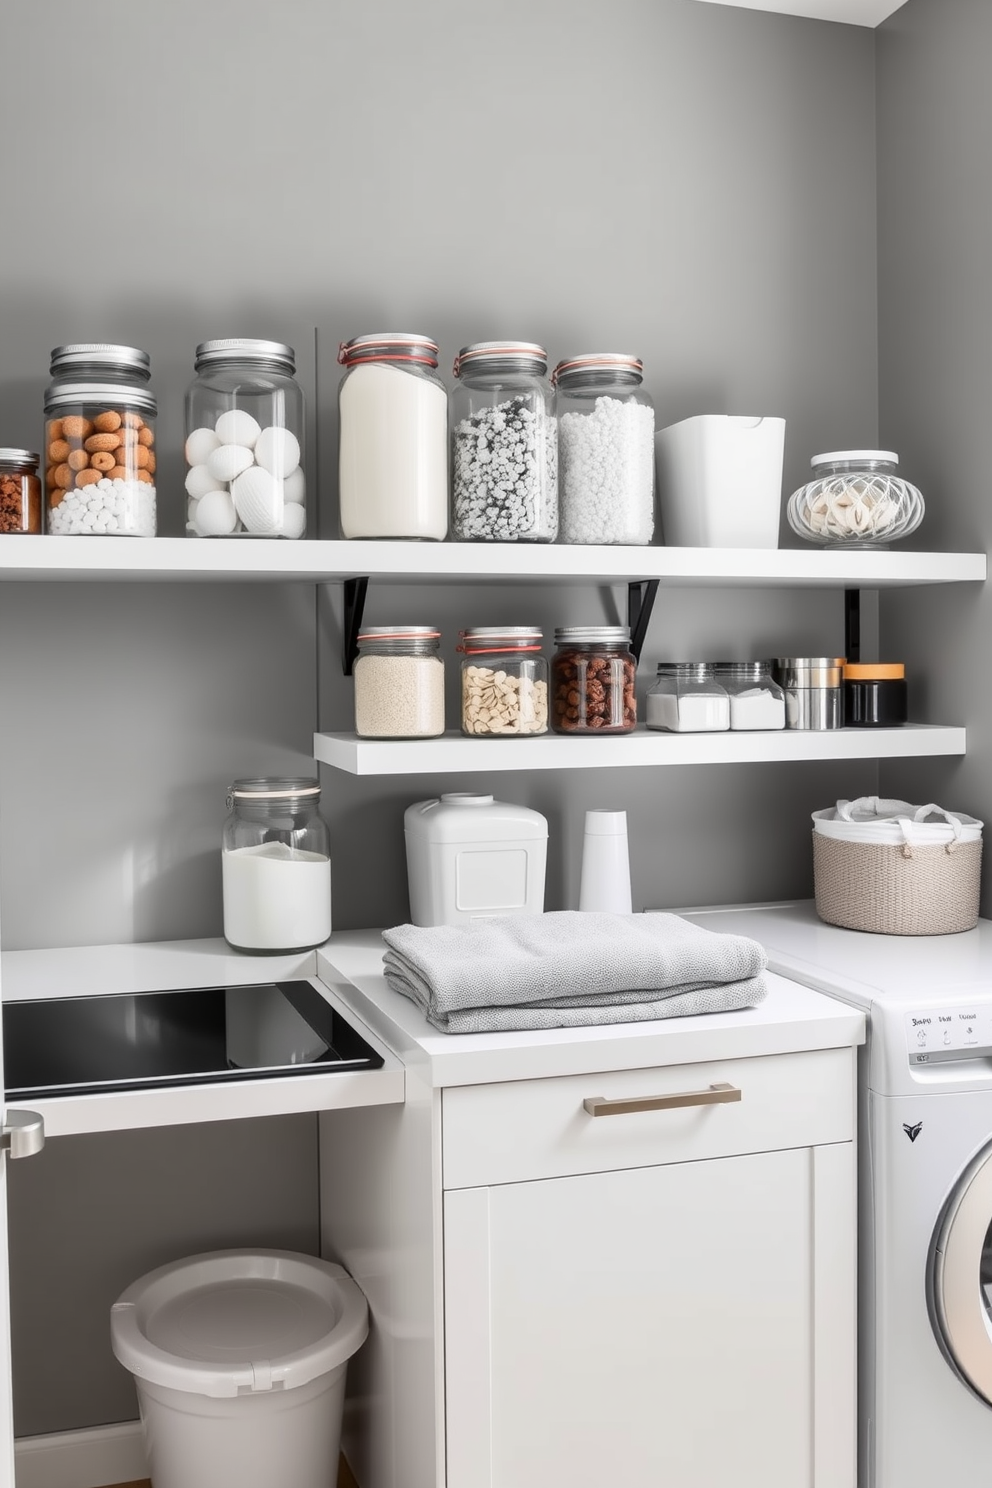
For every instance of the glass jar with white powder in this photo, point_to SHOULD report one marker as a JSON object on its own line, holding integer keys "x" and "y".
{"x": 393, "y": 443}
{"x": 686, "y": 698}
{"x": 605, "y": 450}
{"x": 276, "y": 866}
{"x": 756, "y": 701}
{"x": 504, "y": 480}
{"x": 399, "y": 683}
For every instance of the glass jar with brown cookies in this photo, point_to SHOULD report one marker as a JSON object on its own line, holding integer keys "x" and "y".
{"x": 100, "y": 443}
{"x": 20, "y": 491}
{"x": 592, "y": 681}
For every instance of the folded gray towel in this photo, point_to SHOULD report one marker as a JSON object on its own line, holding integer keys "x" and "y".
{"x": 569, "y": 968}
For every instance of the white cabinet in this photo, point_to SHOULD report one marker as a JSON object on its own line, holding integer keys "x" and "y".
{"x": 662, "y": 1295}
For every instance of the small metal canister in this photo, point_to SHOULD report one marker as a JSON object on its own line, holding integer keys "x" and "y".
{"x": 812, "y": 688}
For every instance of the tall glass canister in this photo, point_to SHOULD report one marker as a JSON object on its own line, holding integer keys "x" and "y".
{"x": 276, "y": 866}
{"x": 504, "y": 437}
{"x": 605, "y": 450}
{"x": 393, "y": 450}
{"x": 100, "y": 458}
{"x": 245, "y": 442}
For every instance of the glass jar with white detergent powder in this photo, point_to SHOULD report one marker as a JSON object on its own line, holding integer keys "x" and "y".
{"x": 393, "y": 443}
{"x": 686, "y": 698}
{"x": 276, "y": 866}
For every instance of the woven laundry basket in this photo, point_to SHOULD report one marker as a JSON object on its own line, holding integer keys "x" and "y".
{"x": 909, "y": 884}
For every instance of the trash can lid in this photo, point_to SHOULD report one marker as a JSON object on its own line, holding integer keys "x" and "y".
{"x": 237, "y": 1322}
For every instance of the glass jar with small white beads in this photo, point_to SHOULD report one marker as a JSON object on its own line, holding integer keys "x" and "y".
{"x": 605, "y": 450}
{"x": 504, "y": 444}
{"x": 245, "y": 442}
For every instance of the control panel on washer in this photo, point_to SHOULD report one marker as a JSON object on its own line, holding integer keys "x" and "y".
{"x": 949, "y": 1033}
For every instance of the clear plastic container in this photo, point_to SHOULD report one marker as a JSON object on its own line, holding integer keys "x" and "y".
{"x": 20, "y": 491}
{"x": 100, "y": 455}
{"x": 504, "y": 682}
{"x": 856, "y": 499}
{"x": 276, "y": 866}
{"x": 756, "y": 700}
{"x": 399, "y": 683}
{"x": 393, "y": 451}
{"x": 605, "y": 450}
{"x": 245, "y": 442}
{"x": 592, "y": 681}
{"x": 504, "y": 484}
{"x": 686, "y": 698}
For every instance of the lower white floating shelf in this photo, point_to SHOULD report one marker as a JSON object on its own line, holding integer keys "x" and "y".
{"x": 455, "y": 752}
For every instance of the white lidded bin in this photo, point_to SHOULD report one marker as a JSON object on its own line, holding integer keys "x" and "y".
{"x": 470, "y": 857}
{"x": 239, "y": 1360}
{"x": 720, "y": 481}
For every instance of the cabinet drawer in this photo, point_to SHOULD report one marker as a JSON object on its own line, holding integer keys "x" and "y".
{"x": 526, "y": 1129}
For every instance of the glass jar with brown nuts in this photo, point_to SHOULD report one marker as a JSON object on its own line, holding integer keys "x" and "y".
{"x": 592, "y": 681}
{"x": 20, "y": 491}
{"x": 100, "y": 443}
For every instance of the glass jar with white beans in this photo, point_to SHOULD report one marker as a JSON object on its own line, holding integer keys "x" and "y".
{"x": 245, "y": 442}
{"x": 504, "y": 682}
{"x": 605, "y": 450}
{"x": 399, "y": 683}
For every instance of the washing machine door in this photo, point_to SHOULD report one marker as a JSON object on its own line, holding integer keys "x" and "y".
{"x": 960, "y": 1276}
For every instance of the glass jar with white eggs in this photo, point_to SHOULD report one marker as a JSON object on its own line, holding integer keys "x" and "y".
{"x": 245, "y": 442}
{"x": 605, "y": 450}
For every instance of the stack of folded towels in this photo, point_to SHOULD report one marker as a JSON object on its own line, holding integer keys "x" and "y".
{"x": 568, "y": 968}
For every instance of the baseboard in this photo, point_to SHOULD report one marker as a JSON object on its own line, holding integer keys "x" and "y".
{"x": 81, "y": 1459}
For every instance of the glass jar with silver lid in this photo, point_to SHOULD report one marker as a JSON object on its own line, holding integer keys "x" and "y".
{"x": 100, "y": 457}
{"x": 756, "y": 700}
{"x": 504, "y": 681}
{"x": 686, "y": 697}
{"x": 592, "y": 680}
{"x": 245, "y": 440}
{"x": 504, "y": 482}
{"x": 813, "y": 690}
{"x": 605, "y": 450}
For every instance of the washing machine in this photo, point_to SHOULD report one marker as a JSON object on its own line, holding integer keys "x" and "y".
{"x": 925, "y": 1180}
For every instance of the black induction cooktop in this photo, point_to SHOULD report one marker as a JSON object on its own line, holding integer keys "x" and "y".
{"x": 148, "y": 1040}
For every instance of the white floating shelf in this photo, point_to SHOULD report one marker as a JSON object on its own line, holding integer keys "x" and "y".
{"x": 454, "y": 752}
{"x": 309, "y": 560}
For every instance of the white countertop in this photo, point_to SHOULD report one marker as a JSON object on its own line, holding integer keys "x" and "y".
{"x": 791, "y": 1019}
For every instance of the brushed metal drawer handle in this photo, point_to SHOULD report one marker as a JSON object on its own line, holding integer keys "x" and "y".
{"x": 716, "y": 1095}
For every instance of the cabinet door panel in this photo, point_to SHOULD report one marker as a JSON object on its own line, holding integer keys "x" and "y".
{"x": 651, "y": 1328}
{"x": 6, "y": 1400}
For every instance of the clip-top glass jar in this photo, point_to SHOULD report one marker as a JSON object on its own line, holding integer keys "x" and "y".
{"x": 686, "y": 698}
{"x": 399, "y": 683}
{"x": 504, "y": 681}
{"x": 393, "y": 449}
{"x": 592, "y": 680}
{"x": 856, "y": 499}
{"x": 245, "y": 442}
{"x": 20, "y": 491}
{"x": 276, "y": 866}
{"x": 756, "y": 700}
{"x": 504, "y": 484}
{"x": 100, "y": 442}
{"x": 605, "y": 450}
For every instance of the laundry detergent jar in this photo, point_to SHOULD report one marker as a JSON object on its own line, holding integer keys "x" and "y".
{"x": 470, "y": 857}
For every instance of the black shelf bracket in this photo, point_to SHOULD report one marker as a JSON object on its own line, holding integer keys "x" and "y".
{"x": 355, "y": 591}
{"x": 852, "y": 624}
{"x": 640, "y": 602}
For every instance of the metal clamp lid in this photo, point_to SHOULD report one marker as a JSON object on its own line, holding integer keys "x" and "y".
{"x": 399, "y": 633}
{"x": 116, "y": 394}
{"x": 18, "y": 457}
{"x": 574, "y": 369}
{"x": 579, "y": 635}
{"x": 88, "y": 353}
{"x": 388, "y": 346}
{"x": 533, "y": 356}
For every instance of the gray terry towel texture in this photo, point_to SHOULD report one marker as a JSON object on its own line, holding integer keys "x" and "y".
{"x": 569, "y": 968}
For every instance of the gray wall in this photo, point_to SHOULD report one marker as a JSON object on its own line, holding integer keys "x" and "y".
{"x": 935, "y": 331}
{"x": 654, "y": 175}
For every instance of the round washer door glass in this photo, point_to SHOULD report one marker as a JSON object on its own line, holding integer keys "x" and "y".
{"x": 959, "y": 1279}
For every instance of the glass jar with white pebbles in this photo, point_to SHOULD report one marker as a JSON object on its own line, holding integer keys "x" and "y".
{"x": 245, "y": 442}
{"x": 393, "y": 442}
{"x": 100, "y": 442}
{"x": 504, "y": 444}
{"x": 275, "y": 866}
{"x": 605, "y": 450}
